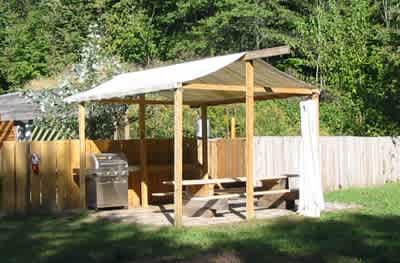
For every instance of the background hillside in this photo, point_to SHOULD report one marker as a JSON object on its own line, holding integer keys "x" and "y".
{"x": 349, "y": 49}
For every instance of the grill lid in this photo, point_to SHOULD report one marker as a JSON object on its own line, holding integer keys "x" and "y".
{"x": 108, "y": 164}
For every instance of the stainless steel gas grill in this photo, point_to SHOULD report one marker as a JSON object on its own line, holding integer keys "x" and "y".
{"x": 107, "y": 180}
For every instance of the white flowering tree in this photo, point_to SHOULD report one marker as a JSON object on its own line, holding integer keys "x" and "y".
{"x": 94, "y": 68}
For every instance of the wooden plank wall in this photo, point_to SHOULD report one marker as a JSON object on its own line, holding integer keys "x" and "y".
{"x": 56, "y": 188}
{"x": 226, "y": 158}
{"x": 160, "y": 164}
{"x": 345, "y": 161}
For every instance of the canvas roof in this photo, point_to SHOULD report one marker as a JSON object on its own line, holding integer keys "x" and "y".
{"x": 221, "y": 70}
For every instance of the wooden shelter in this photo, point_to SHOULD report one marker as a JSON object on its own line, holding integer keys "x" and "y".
{"x": 17, "y": 113}
{"x": 14, "y": 108}
{"x": 236, "y": 78}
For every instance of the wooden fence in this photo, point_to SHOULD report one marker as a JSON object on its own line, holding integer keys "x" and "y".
{"x": 345, "y": 162}
{"x": 56, "y": 188}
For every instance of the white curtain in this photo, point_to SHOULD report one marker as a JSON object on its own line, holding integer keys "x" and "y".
{"x": 311, "y": 200}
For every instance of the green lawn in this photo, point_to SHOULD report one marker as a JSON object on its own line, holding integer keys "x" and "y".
{"x": 371, "y": 234}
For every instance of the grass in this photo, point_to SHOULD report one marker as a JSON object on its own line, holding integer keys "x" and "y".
{"x": 371, "y": 234}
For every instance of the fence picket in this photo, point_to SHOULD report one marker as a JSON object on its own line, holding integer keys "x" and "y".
{"x": 36, "y": 147}
{"x": 63, "y": 172}
{"x": 9, "y": 194}
{"x": 48, "y": 167}
{"x": 22, "y": 177}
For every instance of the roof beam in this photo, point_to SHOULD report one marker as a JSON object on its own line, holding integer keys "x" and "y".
{"x": 219, "y": 87}
{"x": 241, "y": 100}
{"x": 267, "y": 52}
{"x": 134, "y": 101}
{"x": 146, "y": 102}
{"x": 240, "y": 88}
{"x": 294, "y": 91}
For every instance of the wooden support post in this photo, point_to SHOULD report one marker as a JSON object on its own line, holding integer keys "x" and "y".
{"x": 82, "y": 158}
{"x": 233, "y": 128}
{"x": 143, "y": 152}
{"x": 178, "y": 154}
{"x": 204, "y": 141}
{"x": 249, "y": 138}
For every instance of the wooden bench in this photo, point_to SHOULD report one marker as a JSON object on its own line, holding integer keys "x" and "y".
{"x": 223, "y": 180}
{"x": 238, "y": 195}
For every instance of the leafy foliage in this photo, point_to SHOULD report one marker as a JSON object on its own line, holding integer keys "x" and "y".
{"x": 40, "y": 37}
{"x": 349, "y": 49}
{"x": 94, "y": 68}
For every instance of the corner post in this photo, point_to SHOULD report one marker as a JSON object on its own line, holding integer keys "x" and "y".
{"x": 82, "y": 156}
{"x": 178, "y": 156}
{"x": 204, "y": 141}
{"x": 143, "y": 152}
{"x": 249, "y": 139}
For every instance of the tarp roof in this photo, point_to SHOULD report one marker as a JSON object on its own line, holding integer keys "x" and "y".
{"x": 222, "y": 70}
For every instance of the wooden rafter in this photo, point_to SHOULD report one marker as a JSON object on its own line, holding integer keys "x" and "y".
{"x": 267, "y": 52}
{"x": 294, "y": 91}
{"x": 269, "y": 93}
{"x": 241, "y": 100}
{"x": 220, "y": 87}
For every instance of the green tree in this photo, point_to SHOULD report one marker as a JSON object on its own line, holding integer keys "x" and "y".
{"x": 40, "y": 38}
{"x": 349, "y": 49}
{"x": 348, "y": 52}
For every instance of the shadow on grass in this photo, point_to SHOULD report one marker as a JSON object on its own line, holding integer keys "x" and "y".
{"x": 345, "y": 238}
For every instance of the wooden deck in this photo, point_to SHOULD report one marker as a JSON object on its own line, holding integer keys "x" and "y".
{"x": 164, "y": 216}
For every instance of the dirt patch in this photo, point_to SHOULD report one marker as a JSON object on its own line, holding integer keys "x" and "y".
{"x": 335, "y": 206}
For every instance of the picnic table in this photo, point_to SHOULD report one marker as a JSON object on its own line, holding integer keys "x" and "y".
{"x": 233, "y": 188}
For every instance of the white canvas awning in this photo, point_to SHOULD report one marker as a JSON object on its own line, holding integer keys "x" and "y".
{"x": 221, "y": 70}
